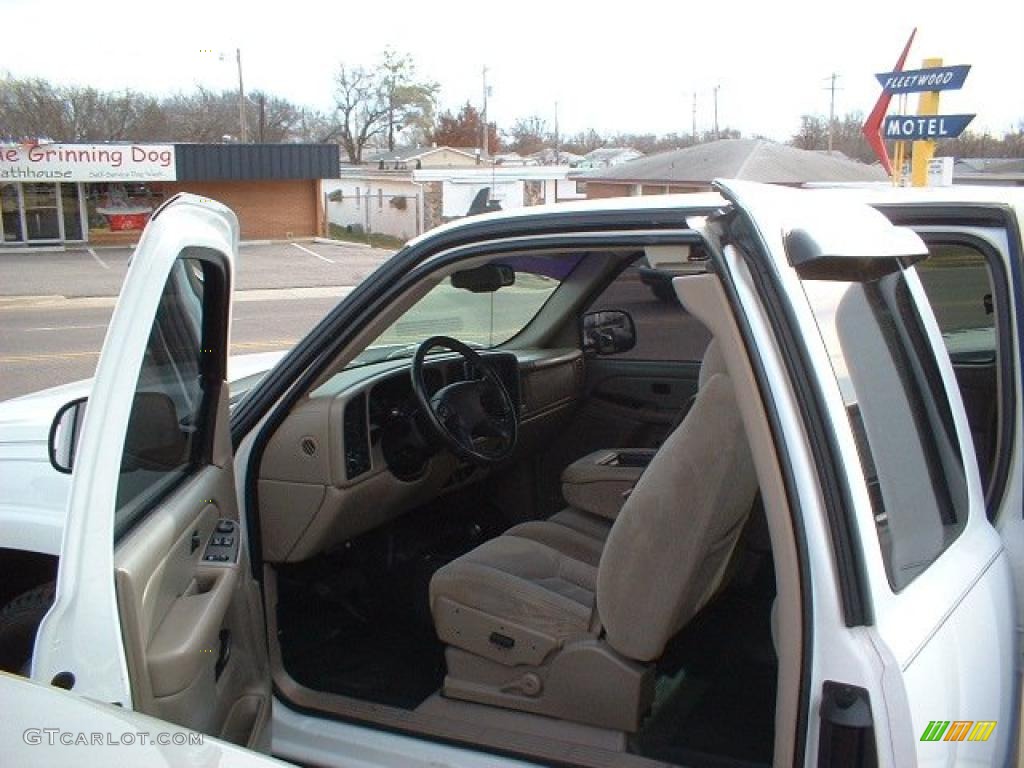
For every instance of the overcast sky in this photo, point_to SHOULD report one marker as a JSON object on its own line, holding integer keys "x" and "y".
{"x": 630, "y": 67}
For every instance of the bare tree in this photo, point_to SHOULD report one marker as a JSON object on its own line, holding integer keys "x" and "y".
{"x": 362, "y": 109}
{"x": 380, "y": 102}
{"x": 528, "y": 135}
{"x": 410, "y": 101}
{"x": 32, "y": 108}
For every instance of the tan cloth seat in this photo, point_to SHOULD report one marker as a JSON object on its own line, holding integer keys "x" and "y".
{"x": 581, "y": 534}
{"x": 567, "y": 628}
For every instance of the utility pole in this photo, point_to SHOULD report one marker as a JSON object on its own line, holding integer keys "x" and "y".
{"x": 263, "y": 117}
{"x": 484, "y": 149}
{"x": 715, "y": 89}
{"x": 556, "y": 133}
{"x": 243, "y": 133}
{"x": 694, "y": 130}
{"x": 831, "y": 107}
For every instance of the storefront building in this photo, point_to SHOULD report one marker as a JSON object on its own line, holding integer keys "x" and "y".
{"x": 52, "y": 194}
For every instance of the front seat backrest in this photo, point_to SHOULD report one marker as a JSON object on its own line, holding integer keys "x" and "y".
{"x": 670, "y": 544}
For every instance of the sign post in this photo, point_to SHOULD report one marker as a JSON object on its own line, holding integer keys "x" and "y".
{"x": 924, "y": 129}
{"x": 924, "y": 150}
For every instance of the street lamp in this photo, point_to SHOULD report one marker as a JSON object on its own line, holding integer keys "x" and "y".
{"x": 243, "y": 131}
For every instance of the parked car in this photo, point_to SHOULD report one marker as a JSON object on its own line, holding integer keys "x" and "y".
{"x": 504, "y": 504}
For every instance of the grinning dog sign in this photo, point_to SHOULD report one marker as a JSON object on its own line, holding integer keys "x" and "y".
{"x": 87, "y": 162}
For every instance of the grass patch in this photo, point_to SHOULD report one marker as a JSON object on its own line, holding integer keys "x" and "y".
{"x": 347, "y": 234}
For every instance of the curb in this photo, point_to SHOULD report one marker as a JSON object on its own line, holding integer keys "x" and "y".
{"x": 253, "y": 294}
{"x": 33, "y": 249}
{"x": 340, "y": 243}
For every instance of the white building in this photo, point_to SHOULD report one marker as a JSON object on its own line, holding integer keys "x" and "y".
{"x": 405, "y": 203}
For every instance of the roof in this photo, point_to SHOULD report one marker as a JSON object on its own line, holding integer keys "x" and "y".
{"x": 222, "y": 162}
{"x": 989, "y": 164}
{"x": 748, "y": 159}
{"x": 547, "y": 155}
{"x": 405, "y": 154}
{"x": 607, "y": 153}
{"x": 871, "y": 194}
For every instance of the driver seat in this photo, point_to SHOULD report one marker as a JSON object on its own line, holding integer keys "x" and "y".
{"x": 533, "y": 628}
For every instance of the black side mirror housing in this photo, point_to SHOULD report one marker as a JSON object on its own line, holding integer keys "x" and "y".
{"x": 64, "y": 432}
{"x": 608, "y": 332}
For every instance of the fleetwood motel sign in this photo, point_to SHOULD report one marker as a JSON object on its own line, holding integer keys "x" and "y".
{"x": 922, "y": 129}
{"x": 916, "y": 128}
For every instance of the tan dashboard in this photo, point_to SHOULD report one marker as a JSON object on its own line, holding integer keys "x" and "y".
{"x": 347, "y": 458}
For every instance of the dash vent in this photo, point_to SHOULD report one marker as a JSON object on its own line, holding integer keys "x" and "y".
{"x": 309, "y": 446}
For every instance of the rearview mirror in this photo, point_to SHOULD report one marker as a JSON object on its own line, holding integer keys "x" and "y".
{"x": 64, "y": 432}
{"x": 608, "y": 332}
{"x": 487, "y": 278}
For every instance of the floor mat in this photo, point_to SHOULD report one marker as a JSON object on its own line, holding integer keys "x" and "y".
{"x": 715, "y": 701}
{"x": 380, "y": 650}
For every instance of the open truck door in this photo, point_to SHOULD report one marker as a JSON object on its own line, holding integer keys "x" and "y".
{"x": 913, "y": 643}
{"x": 156, "y": 607}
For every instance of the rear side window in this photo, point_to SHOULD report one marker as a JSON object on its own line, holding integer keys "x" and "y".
{"x": 165, "y": 438}
{"x": 958, "y": 278}
{"x": 900, "y": 415}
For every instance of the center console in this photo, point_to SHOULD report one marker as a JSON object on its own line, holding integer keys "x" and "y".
{"x": 600, "y": 482}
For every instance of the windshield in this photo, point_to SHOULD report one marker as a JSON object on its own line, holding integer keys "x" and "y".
{"x": 480, "y": 319}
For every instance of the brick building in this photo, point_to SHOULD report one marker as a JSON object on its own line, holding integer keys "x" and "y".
{"x": 105, "y": 193}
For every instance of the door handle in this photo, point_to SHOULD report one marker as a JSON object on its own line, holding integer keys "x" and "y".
{"x": 224, "y": 655}
{"x": 847, "y": 736}
{"x": 194, "y": 544}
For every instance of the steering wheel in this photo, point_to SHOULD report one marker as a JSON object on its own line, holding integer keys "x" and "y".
{"x": 476, "y": 419}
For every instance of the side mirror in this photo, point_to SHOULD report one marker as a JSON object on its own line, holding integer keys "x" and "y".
{"x": 64, "y": 432}
{"x": 608, "y": 332}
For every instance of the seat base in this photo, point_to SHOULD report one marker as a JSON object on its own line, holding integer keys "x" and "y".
{"x": 585, "y": 682}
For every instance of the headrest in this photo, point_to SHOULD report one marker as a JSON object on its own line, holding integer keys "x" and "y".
{"x": 713, "y": 363}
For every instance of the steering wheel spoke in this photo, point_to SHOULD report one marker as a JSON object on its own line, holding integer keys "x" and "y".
{"x": 476, "y": 418}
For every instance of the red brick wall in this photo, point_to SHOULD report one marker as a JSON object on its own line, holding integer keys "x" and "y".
{"x": 600, "y": 189}
{"x": 267, "y": 210}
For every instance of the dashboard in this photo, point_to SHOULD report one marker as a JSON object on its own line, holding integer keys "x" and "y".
{"x": 356, "y": 453}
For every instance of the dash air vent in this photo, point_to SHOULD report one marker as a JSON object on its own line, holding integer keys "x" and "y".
{"x": 356, "y": 437}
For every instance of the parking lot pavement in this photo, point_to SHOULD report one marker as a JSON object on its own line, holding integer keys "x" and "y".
{"x": 89, "y": 271}
{"x": 55, "y": 307}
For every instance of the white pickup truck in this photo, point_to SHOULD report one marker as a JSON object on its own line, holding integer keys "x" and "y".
{"x": 504, "y": 504}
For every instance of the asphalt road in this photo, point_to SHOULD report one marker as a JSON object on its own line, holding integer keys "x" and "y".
{"x": 55, "y": 307}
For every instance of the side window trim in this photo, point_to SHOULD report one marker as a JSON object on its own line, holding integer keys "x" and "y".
{"x": 1005, "y": 371}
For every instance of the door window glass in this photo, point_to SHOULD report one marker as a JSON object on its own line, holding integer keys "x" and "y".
{"x": 42, "y": 216}
{"x": 165, "y": 434}
{"x": 900, "y": 415}
{"x": 10, "y": 209}
{"x": 72, "y": 211}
